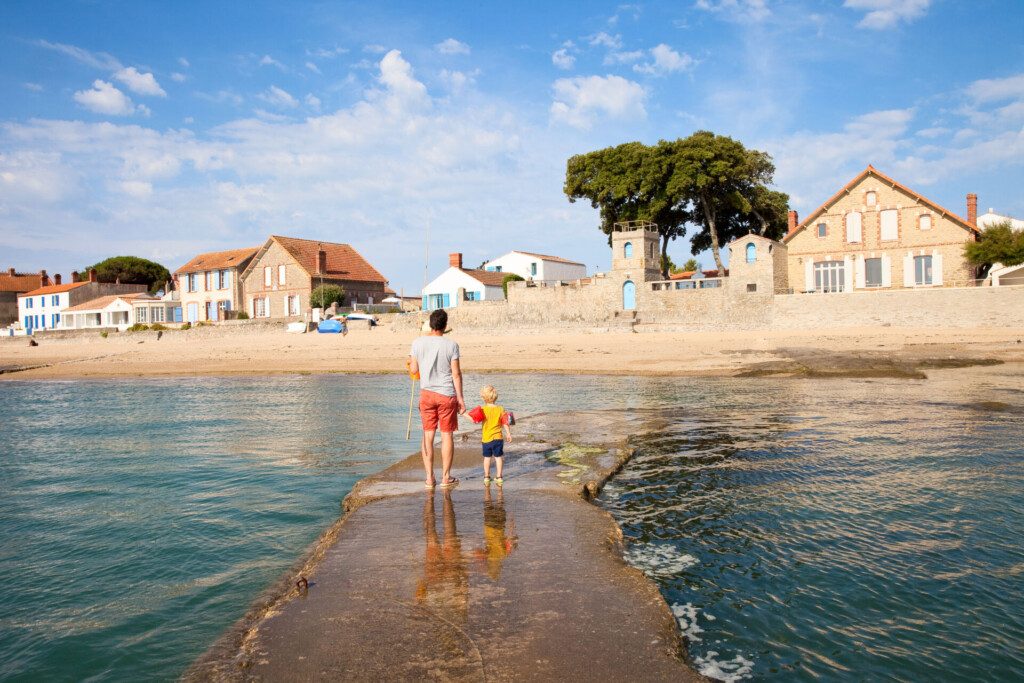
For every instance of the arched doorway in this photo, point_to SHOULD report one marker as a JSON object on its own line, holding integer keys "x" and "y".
{"x": 629, "y": 295}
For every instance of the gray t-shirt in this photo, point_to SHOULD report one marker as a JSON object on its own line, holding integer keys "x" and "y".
{"x": 435, "y": 355}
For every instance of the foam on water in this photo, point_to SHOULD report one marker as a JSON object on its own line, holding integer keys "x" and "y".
{"x": 659, "y": 560}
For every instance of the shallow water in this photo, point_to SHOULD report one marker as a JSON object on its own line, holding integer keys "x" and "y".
{"x": 841, "y": 530}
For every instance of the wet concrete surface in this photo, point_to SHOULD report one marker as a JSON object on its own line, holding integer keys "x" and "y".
{"x": 520, "y": 582}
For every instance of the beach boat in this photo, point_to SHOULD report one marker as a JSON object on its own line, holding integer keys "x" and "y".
{"x": 296, "y": 328}
{"x": 329, "y": 327}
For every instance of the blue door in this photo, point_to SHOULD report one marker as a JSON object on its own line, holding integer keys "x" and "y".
{"x": 629, "y": 295}
{"x": 193, "y": 313}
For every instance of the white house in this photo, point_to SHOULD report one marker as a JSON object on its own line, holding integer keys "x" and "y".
{"x": 538, "y": 267}
{"x": 107, "y": 311}
{"x": 42, "y": 308}
{"x": 1000, "y": 274}
{"x": 460, "y": 284}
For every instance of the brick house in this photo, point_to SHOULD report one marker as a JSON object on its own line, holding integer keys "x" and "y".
{"x": 210, "y": 285}
{"x": 278, "y": 281}
{"x": 13, "y": 283}
{"x": 878, "y": 234}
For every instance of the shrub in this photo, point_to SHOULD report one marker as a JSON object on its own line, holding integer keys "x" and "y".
{"x": 242, "y": 315}
{"x": 138, "y": 327}
{"x": 103, "y": 334}
{"x": 157, "y": 327}
{"x": 325, "y": 295}
{"x": 187, "y": 326}
{"x": 511, "y": 277}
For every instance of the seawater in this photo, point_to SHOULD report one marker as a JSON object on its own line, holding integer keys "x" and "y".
{"x": 837, "y": 530}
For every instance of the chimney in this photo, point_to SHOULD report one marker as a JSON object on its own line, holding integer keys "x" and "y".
{"x": 321, "y": 261}
{"x": 44, "y": 278}
{"x": 455, "y": 260}
{"x": 972, "y": 208}
{"x": 11, "y": 272}
{"x": 74, "y": 276}
{"x": 794, "y": 220}
{"x": 92, "y": 275}
{"x": 56, "y": 279}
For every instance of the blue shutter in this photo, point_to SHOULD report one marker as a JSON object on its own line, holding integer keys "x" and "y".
{"x": 447, "y": 301}
{"x": 424, "y": 302}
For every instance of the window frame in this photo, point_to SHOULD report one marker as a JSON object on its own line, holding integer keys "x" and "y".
{"x": 921, "y": 219}
{"x": 751, "y": 252}
{"x": 627, "y": 250}
{"x": 924, "y": 271}
{"x": 867, "y": 276}
{"x": 822, "y": 230}
{"x": 834, "y": 271}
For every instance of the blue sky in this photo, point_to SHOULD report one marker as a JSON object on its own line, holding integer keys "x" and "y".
{"x": 166, "y": 129}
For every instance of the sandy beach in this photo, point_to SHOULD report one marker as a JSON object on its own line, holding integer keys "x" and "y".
{"x": 238, "y": 351}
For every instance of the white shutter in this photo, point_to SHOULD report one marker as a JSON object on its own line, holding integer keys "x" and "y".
{"x": 936, "y": 268}
{"x": 886, "y": 271}
{"x": 908, "y": 269}
{"x": 847, "y": 274}
{"x": 889, "y": 224}
{"x": 809, "y": 275}
{"x": 860, "y": 271}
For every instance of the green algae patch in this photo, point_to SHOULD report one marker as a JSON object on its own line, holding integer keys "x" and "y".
{"x": 577, "y": 459}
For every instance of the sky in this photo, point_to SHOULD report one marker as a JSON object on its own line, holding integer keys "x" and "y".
{"x": 411, "y": 130}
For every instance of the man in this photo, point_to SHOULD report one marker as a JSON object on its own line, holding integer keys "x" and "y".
{"x": 436, "y": 361}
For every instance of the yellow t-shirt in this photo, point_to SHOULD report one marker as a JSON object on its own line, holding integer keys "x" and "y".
{"x": 492, "y": 422}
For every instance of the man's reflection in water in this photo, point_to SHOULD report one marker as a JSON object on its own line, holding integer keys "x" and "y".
{"x": 444, "y": 588}
{"x": 498, "y": 542}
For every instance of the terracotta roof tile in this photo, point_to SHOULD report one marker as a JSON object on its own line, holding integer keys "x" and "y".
{"x": 104, "y": 301}
{"x": 19, "y": 282}
{"x": 487, "y": 277}
{"x": 545, "y": 257}
{"x": 343, "y": 262}
{"x": 217, "y": 260}
{"x": 57, "y": 289}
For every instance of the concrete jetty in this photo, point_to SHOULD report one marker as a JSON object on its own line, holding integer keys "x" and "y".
{"x": 521, "y": 582}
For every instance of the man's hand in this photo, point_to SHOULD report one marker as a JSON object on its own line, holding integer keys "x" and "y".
{"x": 462, "y": 406}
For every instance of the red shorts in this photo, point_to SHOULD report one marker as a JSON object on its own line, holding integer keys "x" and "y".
{"x": 438, "y": 411}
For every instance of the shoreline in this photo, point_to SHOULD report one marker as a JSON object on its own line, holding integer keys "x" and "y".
{"x": 258, "y": 646}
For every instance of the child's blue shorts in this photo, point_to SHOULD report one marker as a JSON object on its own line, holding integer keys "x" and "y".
{"x": 494, "y": 449}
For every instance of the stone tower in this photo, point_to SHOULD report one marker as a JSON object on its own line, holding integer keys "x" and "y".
{"x": 758, "y": 265}
{"x": 635, "y": 251}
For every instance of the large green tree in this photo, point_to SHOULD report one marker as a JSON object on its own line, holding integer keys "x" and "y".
{"x": 710, "y": 181}
{"x": 131, "y": 270}
{"x": 628, "y": 182}
{"x": 998, "y": 243}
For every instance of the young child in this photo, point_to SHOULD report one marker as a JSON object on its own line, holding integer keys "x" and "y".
{"x": 494, "y": 418}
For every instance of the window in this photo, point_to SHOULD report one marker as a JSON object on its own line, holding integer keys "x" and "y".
{"x": 260, "y": 307}
{"x": 873, "y": 272}
{"x": 533, "y": 269}
{"x": 627, "y": 250}
{"x": 889, "y": 221}
{"x": 28, "y": 302}
{"x": 751, "y": 286}
{"x": 924, "y": 221}
{"x": 42, "y": 302}
{"x": 140, "y": 314}
{"x": 208, "y": 281}
{"x": 291, "y": 304}
{"x": 158, "y": 314}
{"x": 55, "y": 300}
{"x": 922, "y": 270}
{"x": 224, "y": 279}
{"x": 853, "y": 227}
{"x": 222, "y": 308}
{"x": 268, "y": 275}
{"x": 281, "y": 274}
{"x": 822, "y": 230}
{"x": 751, "y": 252}
{"x": 871, "y": 198}
{"x": 829, "y": 276}
{"x": 497, "y": 269}
{"x": 191, "y": 282}
{"x": 54, "y": 319}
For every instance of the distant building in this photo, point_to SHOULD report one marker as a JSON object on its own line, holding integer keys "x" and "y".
{"x": 210, "y": 286}
{"x": 1000, "y": 274}
{"x": 458, "y": 284}
{"x": 530, "y": 266}
{"x": 278, "y": 281}
{"x": 13, "y": 283}
{"x": 110, "y": 312}
{"x": 43, "y": 308}
{"x": 878, "y": 234}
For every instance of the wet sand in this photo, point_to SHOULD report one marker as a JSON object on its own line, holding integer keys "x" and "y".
{"x": 261, "y": 351}
{"x": 523, "y": 582}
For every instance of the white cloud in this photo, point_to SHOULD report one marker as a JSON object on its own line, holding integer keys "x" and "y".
{"x": 140, "y": 83}
{"x": 374, "y": 49}
{"x": 267, "y": 60}
{"x": 605, "y": 40}
{"x": 178, "y": 77}
{"x": 457, "y": 81}
{"x": 278, "y": 97}
{"x": 402, "y": 87}
{"x": 327, "y": 53}
{"x": 627, "y": 57}
{"x": 737, "y": 10}
{"x": 450, "y": 46}
{"x": 104, "y": 98}
{"x": 139, "y": 189}
{"x": 313, "y": 67}
{"x": 996, "y": 89}
{"x": 97, "y": 60}
{"x": 34, "y": 87}
{"x": 666, "y": 61}
{"x": 578, "y": 100}
{"x": 312, "y": 101}
{"x": 885, "y": 14}
{"x": 933, "y": 132}
{"x": 562, "y": 59}
{"x": 183, "y": 62}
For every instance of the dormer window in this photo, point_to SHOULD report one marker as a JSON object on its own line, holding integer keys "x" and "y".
{"x": 870, "y": 198}
{"x": 627, "y": 250}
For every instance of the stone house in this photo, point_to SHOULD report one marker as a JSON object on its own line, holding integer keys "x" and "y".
{"x": 530, "y": 266}
{"x": 43, "y": 308}
{"x": 875, "y": 233}
{"x": 279, "y": 279}
{"x": 210, "y": 286}
{"x": 458, "y": 284}
{"x": 13, "y": 283}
